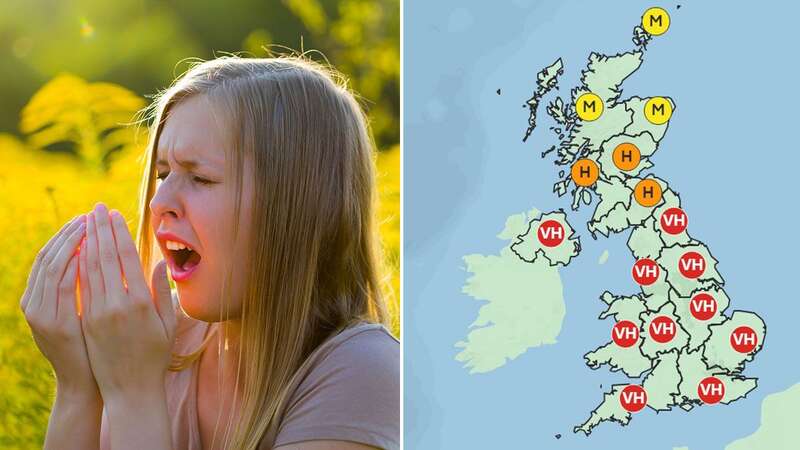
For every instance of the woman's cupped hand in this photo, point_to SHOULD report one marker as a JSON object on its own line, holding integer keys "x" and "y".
{"x": 117, "y": 342}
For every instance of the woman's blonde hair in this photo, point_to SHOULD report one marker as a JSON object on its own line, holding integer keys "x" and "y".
{"x": 314, "y": 262}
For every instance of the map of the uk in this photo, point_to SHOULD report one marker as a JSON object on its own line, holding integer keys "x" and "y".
{"x": 679, "y": 338}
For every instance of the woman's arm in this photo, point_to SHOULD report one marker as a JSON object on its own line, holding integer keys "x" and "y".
{"x": 138, "y": 420}
{"x": 50, "y": 309}
{"x": 129, "y": 332}
{"x": 74, "y": 421}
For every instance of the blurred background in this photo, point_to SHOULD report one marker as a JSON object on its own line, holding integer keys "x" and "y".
{"x": 72, "y": 71}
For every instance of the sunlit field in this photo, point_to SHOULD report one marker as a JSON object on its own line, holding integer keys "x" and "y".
{"x": 42, "y": 190}
{"x": 63, "y": 147}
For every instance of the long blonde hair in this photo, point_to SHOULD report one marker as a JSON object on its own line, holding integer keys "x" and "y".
{"x": 314, "y": 257}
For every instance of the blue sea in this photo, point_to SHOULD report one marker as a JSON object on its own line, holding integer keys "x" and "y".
{"x": 731, "y": 152}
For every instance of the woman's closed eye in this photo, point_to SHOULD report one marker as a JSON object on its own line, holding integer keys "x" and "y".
{"x": 201, "y": 180}
{"x": 195, "y": 178}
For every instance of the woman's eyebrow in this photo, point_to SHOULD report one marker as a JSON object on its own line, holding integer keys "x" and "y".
{"x": 187, "y": 163}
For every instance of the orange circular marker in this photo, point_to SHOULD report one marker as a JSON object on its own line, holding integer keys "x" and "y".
{"x": 647, "y": 192}
{"x": 627, "y": 156}
{"x": 585, "y": 172}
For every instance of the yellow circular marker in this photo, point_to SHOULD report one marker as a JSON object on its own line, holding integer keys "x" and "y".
{"x": 655, "y": 21}
{"x": 589, "y": 107}
{"x": 647, "y": 192}
{"x": 626, "y": 156}
{"x": 585, "y": 172}
{"x": 658, "y": 110}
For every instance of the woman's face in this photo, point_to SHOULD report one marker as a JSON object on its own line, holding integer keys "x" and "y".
{"x": 193, "y": 207}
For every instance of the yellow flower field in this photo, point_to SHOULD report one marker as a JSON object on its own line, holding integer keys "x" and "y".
{"x": 42, "y": 190}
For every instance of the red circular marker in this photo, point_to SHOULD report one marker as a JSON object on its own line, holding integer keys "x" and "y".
{"x": 692, "y": 265}
{"x": 645, "y": 271}
{"x": 711, "y": 390}
{"x": 663, "y": 329}
{"x": 625, "y": 333}
{"x": 674, "y": 221}
{"x": 744, "y": 339}
{"x": 633, "y": 398}
{"x": 551, "y": 233}
{"x": 703, "y": 306}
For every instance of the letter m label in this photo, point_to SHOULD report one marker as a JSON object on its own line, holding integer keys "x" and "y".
{"x": 659, "y": 108}
{"x": 655, "y": 19}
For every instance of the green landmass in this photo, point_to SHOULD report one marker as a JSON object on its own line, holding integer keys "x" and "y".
{"x": 699, "y": 331}
{"x": 684, "y": 286}
{"x": 529, "y": 249}
{"x": 623, "y": 308}
{"x": 629, "y": 360}
{"x": 778, "y": 430}
{"x": 645, "y": 241}
{"x": 605, "y": 158}
{"x": 609, "y": 409}
{"x": 670, "y": 200}
{"x": 618, "y": 210}
{"x": 640, "y": 124}
{"x": 546, "y": 80}
{"x": 661, "y": 384}
{"x": 524, "y": 303}
{"x": 609, "y": 214}
{"x": 673, "y": 370}
{"x": 694, "y": 369}
{"x": 654, "y": 349}
{"x": 604, "y": 74}
{"x": 718, "y": 351}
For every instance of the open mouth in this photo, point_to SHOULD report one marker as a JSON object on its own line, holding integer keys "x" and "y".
{"x": 184, "y": 258}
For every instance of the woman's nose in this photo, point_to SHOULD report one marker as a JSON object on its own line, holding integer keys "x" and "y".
{"x": 166, "y": 200}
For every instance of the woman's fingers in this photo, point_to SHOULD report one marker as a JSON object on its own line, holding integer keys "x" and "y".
{"x": 107, "y": 252}
{"x": 48, "y": 271}
{"x": 66, "y": 309}
{"x": 55, "y": 272}
{"x": 83, "y": 281}
{"x": 96, "y": 289}
{"x": 129, "y": 258}
{"x": 163, "y": 298}
{"x": 37, "y": 263}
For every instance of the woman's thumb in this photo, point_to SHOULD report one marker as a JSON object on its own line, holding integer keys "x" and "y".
{"x": 163, "y": 297}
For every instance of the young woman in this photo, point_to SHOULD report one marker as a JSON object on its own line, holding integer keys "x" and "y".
{"x": 258, "y": 191}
